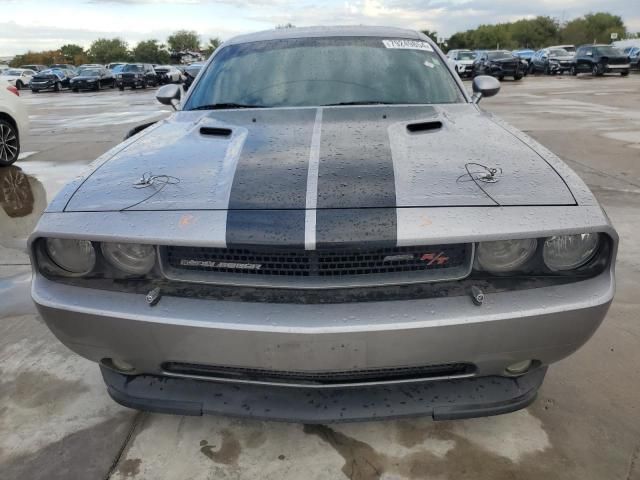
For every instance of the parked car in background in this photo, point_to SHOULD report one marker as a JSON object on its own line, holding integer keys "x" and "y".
{"x": 567, "y": 48}
{"x": 35, "y": 68}
{"x": 111, "y": 66}
{"x": 462, "y": 61}
{"x": 4, "y": 67}
{"x": 64, "y": 66}
{"x": 498, "y": 64}
{"x": 191, "y": 72}
{"x": 168, "y": 74}
{"x": 634, "y": 57}
{"x": 51, "y": 79}
{"x": 135, "y": 75}
{"x": 329, "y": 228}
{"x": 18, "y": 77}
{"x": 94, "y": 78}
{"x": 90, "y": 65}
{"x": 525, "y": 59}
{"x": 601, "y": 59}
{"x": 14, "y": 124}
{"x": 551, "y": 61}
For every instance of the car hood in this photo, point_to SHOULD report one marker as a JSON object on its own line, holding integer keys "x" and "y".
{"x": 329, "y": 158}
{"x": 562, "y": 58}
{"x": 85, "y": 77}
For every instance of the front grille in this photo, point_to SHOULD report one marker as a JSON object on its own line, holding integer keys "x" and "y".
{"x": 330, "y": 378}
{"x": 330, "y": 267}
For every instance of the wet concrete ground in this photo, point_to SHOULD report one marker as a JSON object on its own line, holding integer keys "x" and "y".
{"x": 57, "y": 421}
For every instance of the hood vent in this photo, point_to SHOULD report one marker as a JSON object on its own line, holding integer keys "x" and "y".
{"x": 215, "y": 132}
{"x": 424, "y": 126}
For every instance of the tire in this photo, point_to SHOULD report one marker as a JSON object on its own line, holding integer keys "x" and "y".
{"x": 144, "y": 84}
{"x": 573, "y": 71}
{"x": 9, "y": 143}
{"x": 517, "y": 77}
{"x": 57, "y": 87}
{"x": 501, "y": 78}
{"x": 34, "y": 90}
{"x": 546, "y": 70}
{"x": 113, "y": 84}
{"x": 624, "y": 73}
{"x": 595, "y": 70}
{"x": 19, "y": 85}
{"x": 121, "y": 89}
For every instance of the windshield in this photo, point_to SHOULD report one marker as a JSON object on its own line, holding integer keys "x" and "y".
{"x": 325, "y": 71}
{"x": 13, "y": 73}
{"x": 89, "y": 73}
{"x": 132, "y": 68}
{"x": 558, "y": 52}
{"x": 499, "y": 55}
{"x": 608, "y": 51}
{"x": 466, "y": 56}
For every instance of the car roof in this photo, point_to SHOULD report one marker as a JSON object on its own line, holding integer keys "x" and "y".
{"x": 338, "y": 31}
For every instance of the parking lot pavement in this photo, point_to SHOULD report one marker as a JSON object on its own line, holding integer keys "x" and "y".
{"x": 58, "y": 422}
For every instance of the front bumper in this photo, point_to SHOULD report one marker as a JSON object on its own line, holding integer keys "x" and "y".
{"x": 545, "y": 325}
{"x": 443, "y": 400}
{"x": 617, "y": 68}
{"x": 138, "y": 82}
{"x": 42, "y": 85}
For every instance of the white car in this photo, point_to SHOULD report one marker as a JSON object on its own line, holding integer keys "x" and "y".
{"x": 168, "y": 74}
{"x": 462, "y": 61}
{"x": 14, "y": 124}
{"x": 18, "y": 77}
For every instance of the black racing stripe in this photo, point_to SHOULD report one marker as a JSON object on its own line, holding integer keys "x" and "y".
{"x": 251, "y": 228}
{"x": 365, "y": 227}
{"x": 271, "y": 174}
{"x": 356, "y": 173}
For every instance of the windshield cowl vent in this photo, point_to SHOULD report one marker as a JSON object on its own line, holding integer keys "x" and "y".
{"x": 215, "y": 131}
{"x": 424, "y": 126}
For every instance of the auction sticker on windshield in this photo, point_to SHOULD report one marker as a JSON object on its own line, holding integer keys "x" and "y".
{"x": 408, "y": 45}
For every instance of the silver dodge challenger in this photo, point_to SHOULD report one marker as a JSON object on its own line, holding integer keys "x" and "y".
{"x": 328, "y": 228}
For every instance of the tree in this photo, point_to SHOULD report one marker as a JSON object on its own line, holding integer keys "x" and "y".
{"x": 211, "y": 47}
{"x": 150, "y": 51}
{"x": 432, "y": 35}
{"x": 70, "y": 50}
{"x": 593, "y": 27}
{"x": 184, "y": 40}
{"x": 106, "y": 50}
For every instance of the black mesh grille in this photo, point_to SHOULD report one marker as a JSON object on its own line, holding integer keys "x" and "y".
{"x": 317, "y": 263}
{"x": 321, "y": 378}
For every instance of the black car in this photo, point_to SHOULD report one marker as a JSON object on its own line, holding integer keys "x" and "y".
{"x": 53, "y": 79}
{"x": 600, "y": 59}
{"x": 551, "y": 61}
{"x": 191, "y": 72}
{"x": 137, "y": 75}
{"x": 497, "y": 63}
{"x": 64, "y": 66}
{"x": 94, "y": 78}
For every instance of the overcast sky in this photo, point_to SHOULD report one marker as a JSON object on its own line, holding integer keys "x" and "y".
{"x": 39, "y": 25}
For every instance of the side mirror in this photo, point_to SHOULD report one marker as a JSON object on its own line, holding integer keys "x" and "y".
{"x": 484, "y": 86}
{"x": 169, "y": 95}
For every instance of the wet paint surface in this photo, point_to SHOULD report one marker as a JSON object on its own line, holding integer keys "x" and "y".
{"x": 58, "y": 422}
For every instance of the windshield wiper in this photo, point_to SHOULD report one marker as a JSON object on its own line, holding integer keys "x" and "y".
{"x": 363, "y": 102}
{"x": 223, "y": 106}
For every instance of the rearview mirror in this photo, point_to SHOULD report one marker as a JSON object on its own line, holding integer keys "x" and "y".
{"x": 169, "y": 95}
{"x": 484, "y": 86}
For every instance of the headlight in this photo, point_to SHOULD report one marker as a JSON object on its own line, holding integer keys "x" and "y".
{"x": 119, "y": 75}
{"x": 132, "y": 258}
{"x": 566, "y": 252}
{"x": 77, "y": 257}
{"x": 505, "y": 255}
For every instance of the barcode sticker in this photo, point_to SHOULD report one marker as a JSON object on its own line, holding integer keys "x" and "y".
{"x": 408, "y": 45}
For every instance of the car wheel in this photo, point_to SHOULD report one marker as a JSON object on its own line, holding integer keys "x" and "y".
{"x": 121, "y": 89}
{"x": 546, "y": 70}
{"x": 57, "y": 87}
{"x": 501, "y": 77}
{"x": 624, "y": 73}
{"x": 9, "y": 144}
{"x": 74, "y": 90}
{"x": 517, "y": 77}
{"x": 19, "y": 85}
{"x": 595, "y": 71}
{"x": 144, "y": 84}
{"x": 33, "y": 90}
{"x": 573, "y": 71}
{"x": 113, "y": 84}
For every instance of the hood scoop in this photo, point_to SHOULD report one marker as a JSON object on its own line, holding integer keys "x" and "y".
{"x": 424, "y": 126}
{"x": 216, "y": 132}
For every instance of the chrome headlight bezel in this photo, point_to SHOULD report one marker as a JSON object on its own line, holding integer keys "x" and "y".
{"x": 589, "y": 249}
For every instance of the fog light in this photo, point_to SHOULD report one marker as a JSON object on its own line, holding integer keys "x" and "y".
{"x": 520, "y": 367}
{"x": 122, "y": 366}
